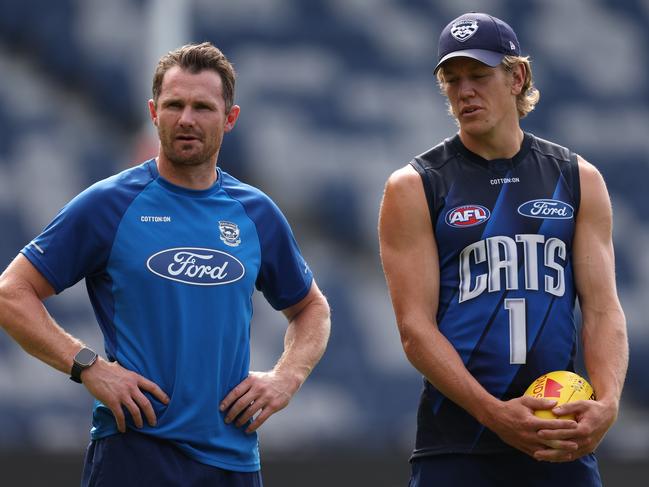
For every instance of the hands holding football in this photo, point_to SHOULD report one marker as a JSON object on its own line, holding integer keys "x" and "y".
{"x": 575, "y": 400}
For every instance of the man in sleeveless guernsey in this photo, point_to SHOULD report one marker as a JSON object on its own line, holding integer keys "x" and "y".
{"x": 487, "y": 240}
{"x": 172, "y": 251}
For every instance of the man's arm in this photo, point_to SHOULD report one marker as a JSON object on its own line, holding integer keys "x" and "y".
{"x": 25, "y": 318}
{"x": 264, "y": 393}
{"x": 604, "y": 336}
{"x": 411, "y": 265}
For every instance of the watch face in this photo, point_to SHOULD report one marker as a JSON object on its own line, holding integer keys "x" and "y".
{"x": 85, "y": 357}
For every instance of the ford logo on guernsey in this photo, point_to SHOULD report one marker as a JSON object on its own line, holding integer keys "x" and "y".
{"x": 200, "y": 267}
{"x": 467, "y": 216}
{"x": 543, "y": 208}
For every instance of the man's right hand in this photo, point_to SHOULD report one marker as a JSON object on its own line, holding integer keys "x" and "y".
{"x": 515, "y": 423}
{"x": 118, "y": 388}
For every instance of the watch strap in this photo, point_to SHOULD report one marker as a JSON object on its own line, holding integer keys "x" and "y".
{"x": 75, "y": 374}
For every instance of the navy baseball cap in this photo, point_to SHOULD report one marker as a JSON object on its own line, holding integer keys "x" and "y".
{"x": 478, "y": 36}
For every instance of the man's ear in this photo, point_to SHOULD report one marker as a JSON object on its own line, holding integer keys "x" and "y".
{"x": 231, "y": 117}
{"x": 518, "y": 78}
{"x": 153, "y": 113}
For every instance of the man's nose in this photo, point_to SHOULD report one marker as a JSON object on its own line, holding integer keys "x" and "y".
{"x": 467, "y": 88}
{"x": 187, "y": 116}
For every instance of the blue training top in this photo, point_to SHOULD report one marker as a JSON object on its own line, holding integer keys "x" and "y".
{"x": 170, "y": 273}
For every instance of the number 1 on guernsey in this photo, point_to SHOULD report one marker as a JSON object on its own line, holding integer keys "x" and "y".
{"x": 517, "y": 330}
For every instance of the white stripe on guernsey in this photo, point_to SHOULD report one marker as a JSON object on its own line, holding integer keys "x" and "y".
{"x": 38, "y": 248}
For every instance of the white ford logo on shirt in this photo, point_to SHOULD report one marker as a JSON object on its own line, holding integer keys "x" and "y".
{"x": 197, "y": 266}
{"x": 546, "y": 208}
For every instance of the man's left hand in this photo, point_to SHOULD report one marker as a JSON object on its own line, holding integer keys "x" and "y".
{"x": 259, "y": 396}
{"x": 594, "y": 418}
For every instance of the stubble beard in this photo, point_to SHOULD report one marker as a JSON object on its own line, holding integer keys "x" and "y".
{"x": 193, "y": 159}
{"x": 196, "y": 159}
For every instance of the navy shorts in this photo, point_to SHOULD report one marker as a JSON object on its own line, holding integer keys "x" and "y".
{"x": 498, "y": 470}
{"x": 133, "y": 459}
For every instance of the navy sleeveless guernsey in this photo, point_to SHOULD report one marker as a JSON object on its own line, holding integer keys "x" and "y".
{"x": 504, "y": 230}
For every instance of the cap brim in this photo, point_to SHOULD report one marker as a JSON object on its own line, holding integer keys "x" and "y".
{"x": 490, "y": 58}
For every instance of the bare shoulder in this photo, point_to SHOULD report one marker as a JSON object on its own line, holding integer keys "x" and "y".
{"x": 404, "y": 179}
{"x": 404, "y": 217}
{"x": 591, "y": 180}
{"x": 405, "y": 187}
{"x": 404, "y": 194}
{"x": 595, "y": 201}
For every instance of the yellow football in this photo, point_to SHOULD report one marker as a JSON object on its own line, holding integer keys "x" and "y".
{"x": 562, "y": 386}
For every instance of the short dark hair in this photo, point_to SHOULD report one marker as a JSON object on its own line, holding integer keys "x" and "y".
{"x": 196, "y": 58}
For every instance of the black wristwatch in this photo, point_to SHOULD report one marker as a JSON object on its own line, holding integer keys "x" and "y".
{"x": 82, "y": 360}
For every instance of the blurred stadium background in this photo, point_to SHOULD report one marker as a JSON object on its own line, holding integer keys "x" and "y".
{"x": 335, "y": 95}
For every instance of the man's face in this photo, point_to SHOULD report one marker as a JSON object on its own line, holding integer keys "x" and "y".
{"x": 190, "y": 116}
{"x": 480, "y": 97}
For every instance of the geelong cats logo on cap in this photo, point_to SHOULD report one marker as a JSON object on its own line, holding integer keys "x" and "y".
{"x": 463, "y": 29}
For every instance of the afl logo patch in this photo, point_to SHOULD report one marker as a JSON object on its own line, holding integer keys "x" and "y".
{"x": 197, "y": 266}
{"x": 543, "y": 208}
{"x": 467, "y": 216}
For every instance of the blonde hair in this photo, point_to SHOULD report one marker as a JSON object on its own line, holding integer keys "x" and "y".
{"x": 529, "y": 96}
